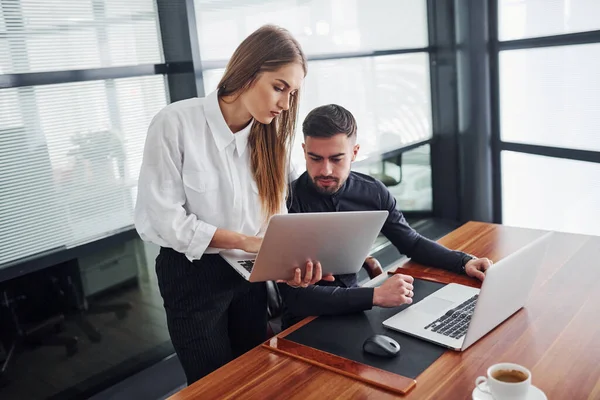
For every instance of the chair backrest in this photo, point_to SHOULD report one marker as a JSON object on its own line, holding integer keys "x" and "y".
{"x": 274, "y": 303}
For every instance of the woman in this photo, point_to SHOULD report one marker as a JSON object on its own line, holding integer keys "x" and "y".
{"x": 214, "y": 171}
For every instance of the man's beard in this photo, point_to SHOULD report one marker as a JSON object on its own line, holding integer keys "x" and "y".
{"x": 326, "y": 190}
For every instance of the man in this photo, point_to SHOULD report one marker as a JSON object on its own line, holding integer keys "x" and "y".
{"x": 329, "y": 185}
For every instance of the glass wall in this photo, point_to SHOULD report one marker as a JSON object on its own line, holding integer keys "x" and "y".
{"x": 549, "y": 111}
{"x": 72, "y": 151}
{"x": 70, "y": 154}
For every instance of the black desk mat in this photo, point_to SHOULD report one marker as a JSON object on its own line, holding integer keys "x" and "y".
{"x": 344, "y": 336}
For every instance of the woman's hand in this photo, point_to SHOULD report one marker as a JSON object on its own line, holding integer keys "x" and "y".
{"x": 251, "y": 244}
{"x": 225, "y": 239}
{"x": 314, "y": 273}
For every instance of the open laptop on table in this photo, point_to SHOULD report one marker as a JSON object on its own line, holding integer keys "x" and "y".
{"x": 456, "y": 316}
{"x": 340, "y": 241}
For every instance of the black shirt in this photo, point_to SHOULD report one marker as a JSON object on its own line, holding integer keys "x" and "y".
{"x": 359, "y": 193}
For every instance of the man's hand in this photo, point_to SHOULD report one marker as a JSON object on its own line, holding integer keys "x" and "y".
{"x": 313, "y": 274}
{"x": 251, "y": 244}
{"x": 373, "y": 267}
{"x": 477, "y": 267}
{"x": 395, "y": 291}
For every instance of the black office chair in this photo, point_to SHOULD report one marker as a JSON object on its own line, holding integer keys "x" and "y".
{"x": 274, "y": 309}
{"x": 386, "y": 179}
{"x": 275, "y": 303}
{"x": 75, "y": 300}
{"x": 25, "y": 320}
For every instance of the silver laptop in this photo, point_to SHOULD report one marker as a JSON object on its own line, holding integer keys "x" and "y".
{"x": 456, "y": 316}
{"x": 340, "y": 241}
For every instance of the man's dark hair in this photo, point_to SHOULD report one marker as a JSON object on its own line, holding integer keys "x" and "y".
{"x": 328, "y": 121}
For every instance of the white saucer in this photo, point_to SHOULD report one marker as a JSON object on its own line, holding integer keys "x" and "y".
{"x": 534, "y": 394}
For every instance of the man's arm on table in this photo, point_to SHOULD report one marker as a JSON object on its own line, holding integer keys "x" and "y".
{"x": 412, "y": 244}
{"x": 325, "y": 300}
{"x": 425, "y": 251}
{"x": 334, "y": 300}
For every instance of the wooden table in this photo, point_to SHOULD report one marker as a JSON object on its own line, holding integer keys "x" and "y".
{"x": 557, "y": 335}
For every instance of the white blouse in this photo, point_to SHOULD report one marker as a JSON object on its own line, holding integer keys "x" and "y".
{"x": 195, "y": 178}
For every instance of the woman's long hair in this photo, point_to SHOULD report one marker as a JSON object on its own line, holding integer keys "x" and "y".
{"x": 267, "y": 49}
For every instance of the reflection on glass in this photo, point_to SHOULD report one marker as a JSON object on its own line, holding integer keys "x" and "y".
{"x": 129, "y": 342}
{"x": 519, "y": 19}
{"x": 83, "y": 105}
{"x": 389, "y": 97}
{"x": 549, "y": 96}
{"x": 321, "y": 26}
{"x": 407, "y": 176}
{"x": 550, "y": 193}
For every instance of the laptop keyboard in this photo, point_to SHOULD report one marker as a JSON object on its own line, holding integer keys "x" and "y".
{"x": 247, "y": 264}
{"x": 455, "y": 322}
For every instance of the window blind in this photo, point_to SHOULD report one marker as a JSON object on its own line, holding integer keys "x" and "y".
{"x": 70, "y": 153}
{"x": 50, "y": 35}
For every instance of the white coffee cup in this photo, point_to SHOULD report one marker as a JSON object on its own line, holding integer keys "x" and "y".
{"x": 501, "y": 389}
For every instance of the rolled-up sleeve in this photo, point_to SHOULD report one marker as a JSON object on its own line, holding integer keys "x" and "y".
{"x": 160, "y": 214}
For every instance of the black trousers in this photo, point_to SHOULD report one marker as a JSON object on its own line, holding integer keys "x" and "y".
{"x": 213, "y": 314}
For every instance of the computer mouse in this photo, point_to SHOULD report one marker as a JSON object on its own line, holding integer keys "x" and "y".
{"x": 381, "y": 345}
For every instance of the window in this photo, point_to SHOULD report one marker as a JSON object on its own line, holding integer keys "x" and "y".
{"x": 321, "y": 26}
{"x": 73, "y": 151}
{"x": 519, "y": 19}
{"x": 80, "y": 34}
{"x": 406, "y": 175}
{"x": 70, "y": 154}
{"x": 549, "y": 96}
{"x": 388, "y": 95}
{"x": 369, "y": 87}
{"x": 11, "y": 113}
{"x": 138, "y": 99}
{"x": 548, "y": 105}
{"x": 76, "y": 166}
{"x": 4, "y": 55}
{"x": 125, "y": 46}
{"x": 549, "y": 193}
